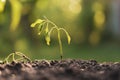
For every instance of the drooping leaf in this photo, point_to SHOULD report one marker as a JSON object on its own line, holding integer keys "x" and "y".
{"x": 16, "y": 12}
{"x": 40, "y": 28}
{"x": 2, "y": 5}
{"x": 67, "y": 34}
{"x": 68, "y": 38}
{"x": 38, "y": 21}
{"x": 47, "y": 38}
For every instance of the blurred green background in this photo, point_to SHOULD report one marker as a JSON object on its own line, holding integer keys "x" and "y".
{"x": 94, "y": 26}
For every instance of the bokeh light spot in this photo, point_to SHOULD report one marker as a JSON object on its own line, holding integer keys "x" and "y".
{"x": 99, "y": 19}
{"x": 75, "y": 6}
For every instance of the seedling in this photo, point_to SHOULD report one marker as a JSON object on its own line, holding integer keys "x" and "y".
{"x": 44, "y": 25}
{"x": 22, "y": 57}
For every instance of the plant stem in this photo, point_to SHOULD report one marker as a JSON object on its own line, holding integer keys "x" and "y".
{"x": 59, "y": 37}
{"x": 13, "y": 56}
{"x": 22, "y": 55}
{"x": 60, "y": 45}
{"x": 48, "y": 21}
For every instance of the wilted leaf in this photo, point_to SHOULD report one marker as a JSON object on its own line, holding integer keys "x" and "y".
{"x": 47, "y": 38}
{"x": 68, "y": 38}
{"x": 40, "y": 27}
{"x": 38, "y": 21}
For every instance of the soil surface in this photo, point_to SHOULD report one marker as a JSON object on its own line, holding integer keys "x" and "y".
{"x": 60, "y": 70}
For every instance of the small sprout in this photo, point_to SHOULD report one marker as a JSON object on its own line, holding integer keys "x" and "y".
{"x": 22, "y": 57}
{"x": 44, "y": 26}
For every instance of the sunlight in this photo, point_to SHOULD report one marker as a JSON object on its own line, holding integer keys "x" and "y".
{"x": 99, "y": 19}
{"x": 3, "y": 0}
{"x": 71, "y": 6}
{"x": 75, "y": 6}
{"x": 2, "y": 5}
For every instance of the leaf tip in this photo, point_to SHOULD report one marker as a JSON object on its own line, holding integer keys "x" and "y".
{"x": 32, "y": 25}
{"x": 36, "y": 22}
{"x": 48, "y": 40}
{"x": 69, "y": 39}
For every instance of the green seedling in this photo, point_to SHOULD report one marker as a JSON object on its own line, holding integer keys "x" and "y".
{"x": 49, "y": 26}
{"x": 22, "y": 57}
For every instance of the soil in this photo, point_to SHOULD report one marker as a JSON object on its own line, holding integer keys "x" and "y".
{"x": 60, "y": 70}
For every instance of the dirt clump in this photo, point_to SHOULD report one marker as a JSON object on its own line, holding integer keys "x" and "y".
{"x": 69, "y": 69}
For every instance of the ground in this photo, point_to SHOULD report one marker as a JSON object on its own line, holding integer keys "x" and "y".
{"x": 69, "y": 69}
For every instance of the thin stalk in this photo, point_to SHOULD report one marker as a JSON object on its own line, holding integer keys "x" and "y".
{"x": 52, "y": 30}
{"x": 60, "y": 45}
{"x": 13, "y": 56}
{"x": 59, "y": 37}
{"x": 6, "y": 59}
{"x": 64, "y": 30}
{"x": 22, "y": 55}
{"x": 48, "y": 21}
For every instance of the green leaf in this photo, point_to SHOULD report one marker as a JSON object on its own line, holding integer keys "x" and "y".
{"x": 47, "y": 38}
{"x": 67, "y": 34}
{"x": 68, "y": 38}
{"x": 40, "y": 27}
{"x": 38, "y": 21}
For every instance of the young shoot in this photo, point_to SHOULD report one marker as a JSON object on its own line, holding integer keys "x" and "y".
{"x": 49, "y": 26}
{"x": 22, "y": 57}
